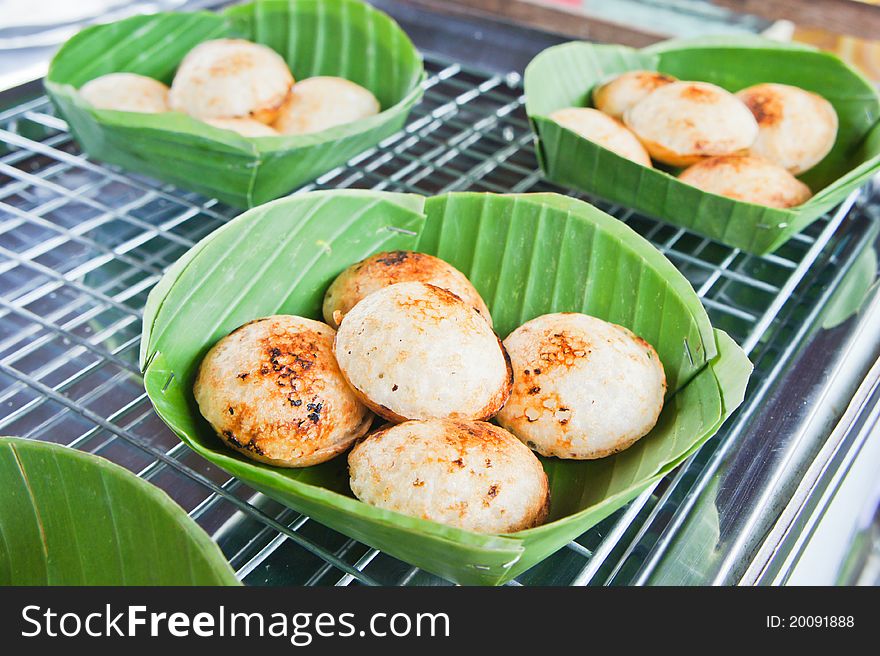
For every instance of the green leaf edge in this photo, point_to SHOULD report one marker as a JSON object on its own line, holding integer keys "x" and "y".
{"x": 220, "y": 567}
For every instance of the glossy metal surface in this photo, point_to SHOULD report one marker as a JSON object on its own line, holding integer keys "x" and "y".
{"x": 754, "y": 492}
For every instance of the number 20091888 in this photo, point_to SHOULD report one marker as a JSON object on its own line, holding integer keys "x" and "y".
{"x": 810, "y": 622}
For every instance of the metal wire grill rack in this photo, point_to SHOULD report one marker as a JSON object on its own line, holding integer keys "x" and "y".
{"x": 82, "y": 243}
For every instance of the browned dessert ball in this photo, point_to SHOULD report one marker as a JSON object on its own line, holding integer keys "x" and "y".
{"x": 272, "y": 391}
{"x": 622, "y": 92}
{"x": 749, "y": 179}
{"x": 467, "y": 474}
{"x": 417, "y": 351}
{"x": 391, "y": 267}
{"x": 796, "y": 128}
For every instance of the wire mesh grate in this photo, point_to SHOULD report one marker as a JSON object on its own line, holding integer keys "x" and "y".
{"x": 82, "y": 244}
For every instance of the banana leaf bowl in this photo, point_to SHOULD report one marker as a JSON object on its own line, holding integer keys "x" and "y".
{"x": 527, "y": 254}
{"x": 344, "y": 38}
{"x": 565, "y": 75}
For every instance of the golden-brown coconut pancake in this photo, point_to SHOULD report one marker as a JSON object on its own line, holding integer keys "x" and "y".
{"x": 749, "y": 179}
{"x": 126, "y": 92}
{"x": 468, "y": 474}
{"x": 320, "y": 103}
{"x": 607, "y": 132}
{"x": 683, "y": 122}
{"x": 272, "y": 390}
{"x": 231, "y": 78}
{"x": 583, "y": 388}
{"x": 417, "y": 351}
{"x": 796, "y": 128}
{"x": 622, "y": 92}
{"x": 391, "y": 267}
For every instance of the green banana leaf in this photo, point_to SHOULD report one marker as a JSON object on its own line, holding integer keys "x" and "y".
{"x": 72, "y": 518}
{"x": 862, "y": 277}
{"x": 345, "y": 38}
{"x": 527, "y": 254}
{"x": 565, "y": 75}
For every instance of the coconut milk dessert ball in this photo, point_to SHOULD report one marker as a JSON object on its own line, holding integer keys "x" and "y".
{"x": 319, "y": 103}
{"x": 383, "y": 269}
{"x": 749, "y": 179}
{"x": 126, "y": 92}
{"x": 683, "y": 122}
{"x": 272, "y": 391}
{"x": 583, "y": 388}
{"x": 246, "y": 127}
{"x": 231, "y": 78}
{"x": 417, "y": 351}
{"x": 796, "y": 128}
{"x": 607, "y": 132}
{"x": 622, "y": 92}
{"x": 470, "y": 475}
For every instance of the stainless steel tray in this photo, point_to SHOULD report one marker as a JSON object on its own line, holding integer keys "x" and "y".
{"x": 82, "y": 243}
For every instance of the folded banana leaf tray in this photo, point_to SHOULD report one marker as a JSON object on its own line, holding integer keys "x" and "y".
{"x": 82, "y": 244}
